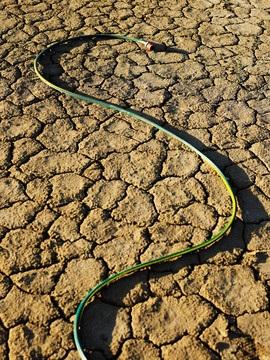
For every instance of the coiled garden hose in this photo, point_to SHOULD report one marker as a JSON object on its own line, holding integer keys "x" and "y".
{"x": 107, "y": 281}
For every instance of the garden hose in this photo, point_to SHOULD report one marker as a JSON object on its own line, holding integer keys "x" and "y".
{"x": 122, "y": 273}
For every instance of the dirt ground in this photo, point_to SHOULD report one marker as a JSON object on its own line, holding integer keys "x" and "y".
{"x": 87, "y": 192}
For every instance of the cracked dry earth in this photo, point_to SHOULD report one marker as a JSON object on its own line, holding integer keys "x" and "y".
{"x": 87, "y": 192}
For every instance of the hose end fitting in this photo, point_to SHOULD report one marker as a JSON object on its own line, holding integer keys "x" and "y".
{"x": 149, "y": 46}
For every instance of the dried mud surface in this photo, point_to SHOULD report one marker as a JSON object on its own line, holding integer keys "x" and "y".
{"x": 87, "y": 192}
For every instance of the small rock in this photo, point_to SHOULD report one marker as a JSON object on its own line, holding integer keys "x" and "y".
{"x": 73, "y": 210}
{"x": 93, "y": 172}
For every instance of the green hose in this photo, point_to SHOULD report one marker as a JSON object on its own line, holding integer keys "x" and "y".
{"x": 107, "y": 281}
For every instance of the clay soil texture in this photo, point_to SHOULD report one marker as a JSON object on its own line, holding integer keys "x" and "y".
{"x": 87, "y": 192}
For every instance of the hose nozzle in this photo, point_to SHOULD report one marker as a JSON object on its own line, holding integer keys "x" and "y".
{"x": 149, "y": 46}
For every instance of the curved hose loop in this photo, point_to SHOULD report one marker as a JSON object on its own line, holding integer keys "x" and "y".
{"x": 122, "y": 273}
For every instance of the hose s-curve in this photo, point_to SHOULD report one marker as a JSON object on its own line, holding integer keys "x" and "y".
{"x": 149, "y": 46}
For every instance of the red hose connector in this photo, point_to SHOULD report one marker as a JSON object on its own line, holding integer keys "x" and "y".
{"x": 149, "y": 46}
